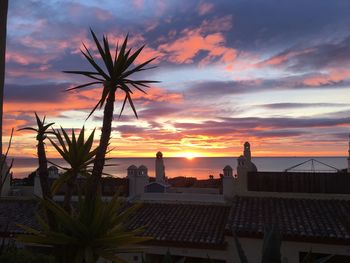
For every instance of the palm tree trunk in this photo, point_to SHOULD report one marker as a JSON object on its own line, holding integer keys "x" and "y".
{"x": 43, "y": 171}
{"x": 69, "y": 193}
{"x": 3, "y": 22}
{"x": 44, "y": 181}
{"x": 94, "y": 182}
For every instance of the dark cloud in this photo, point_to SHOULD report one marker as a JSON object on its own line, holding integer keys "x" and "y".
{"x": 209, "y": 89}
{"x": 129, "y": 130}
{"x": 266, "y": 25}
{"x": 277, "y": 134}
{"x": 300, "y": 105}
{"x": 49, "y": 92}
{"x": 156, "y": 110}
{"x": 232, "y": 125}
{"x": 328, "y": 54}
{"x": 336, "y": 54}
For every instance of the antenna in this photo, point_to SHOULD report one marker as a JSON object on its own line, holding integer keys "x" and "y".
{"x": 312, "y": 169}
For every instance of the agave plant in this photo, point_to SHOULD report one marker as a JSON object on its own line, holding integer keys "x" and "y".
{"x": 83, "y": 237}
{"x": 79, "y": 154}
{"x": 41, "y": 135}
{"x": 115, "y": 74}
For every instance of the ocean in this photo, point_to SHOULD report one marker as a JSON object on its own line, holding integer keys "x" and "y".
{"x": 199, "y": 167}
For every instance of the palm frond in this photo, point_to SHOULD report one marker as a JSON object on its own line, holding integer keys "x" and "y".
{"x": 118, "y": 70}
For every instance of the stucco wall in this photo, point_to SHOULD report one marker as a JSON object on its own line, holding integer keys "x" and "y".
{"x": 289, "y": 250}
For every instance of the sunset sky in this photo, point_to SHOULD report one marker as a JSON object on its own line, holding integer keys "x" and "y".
{"x": 275, "y": 73}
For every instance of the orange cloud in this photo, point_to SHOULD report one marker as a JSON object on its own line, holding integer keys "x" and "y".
{"x": 184, "y": 49}
{"x": 206, "y": 38}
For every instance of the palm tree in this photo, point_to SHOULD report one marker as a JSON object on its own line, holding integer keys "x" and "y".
{"x": 115, "y": 74}
{"x": 79, "y": 155}
{"x": 41, "y": 134}
{"x": 3, "y": 22}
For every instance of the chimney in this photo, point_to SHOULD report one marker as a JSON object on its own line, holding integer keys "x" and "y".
{"x": 228, "y": 183}
{"x": 138, "y": 179}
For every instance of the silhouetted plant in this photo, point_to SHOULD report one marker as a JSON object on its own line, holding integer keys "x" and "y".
{"x": 79, "y": 154}
{"x": 271, "y": 251}
{"x": 241, "y": 254}
{"x": 5, "y": 171}
{"x": 309, "y": 258}
{"x": 82, "y": 236}
{"x": 117, "y": 76}
{"x": 41, "y": 134}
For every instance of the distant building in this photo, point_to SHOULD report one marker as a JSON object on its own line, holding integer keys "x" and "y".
{"x": 308, "y": 209}
{"x": 160, "y": 168}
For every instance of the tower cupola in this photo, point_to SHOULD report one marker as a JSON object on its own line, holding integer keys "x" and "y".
{"x": 247, "y": 153}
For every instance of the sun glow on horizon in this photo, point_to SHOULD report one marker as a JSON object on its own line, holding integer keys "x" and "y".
{"x": 189, "y": 155}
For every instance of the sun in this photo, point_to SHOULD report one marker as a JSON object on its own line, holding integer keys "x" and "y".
{"x": 189, "y": 155}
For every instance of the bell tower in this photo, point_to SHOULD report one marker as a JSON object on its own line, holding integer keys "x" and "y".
{"x": 160, "y": 168}
{"x": 247, "y": 153}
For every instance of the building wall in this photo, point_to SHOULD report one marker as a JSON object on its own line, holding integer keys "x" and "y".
{"x": 195, "y": 190}
{"x": 155, "y": 188}
{"x": 175, "y": 251}
{"x": 289, "y": 250}
{"x": 183, "y": 197}
{"x": 22, "y": 190}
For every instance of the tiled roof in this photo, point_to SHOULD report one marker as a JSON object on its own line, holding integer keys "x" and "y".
{"x": 14, "y": 212}
{"x": 183, "y": 224}
{"x": 296, "y": 219}
{"x": 205, "y": 226}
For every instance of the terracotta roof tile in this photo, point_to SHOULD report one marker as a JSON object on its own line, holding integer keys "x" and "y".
{"x": 185, "y": 224}
{"x": 205, "y": 225}
{"x": 317, "y": 220}
{"x": 14, "y": 212}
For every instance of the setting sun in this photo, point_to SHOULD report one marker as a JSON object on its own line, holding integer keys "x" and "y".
{"x": 189, "y": 155}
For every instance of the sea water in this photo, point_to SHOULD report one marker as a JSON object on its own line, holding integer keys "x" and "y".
{"x": 199, "y": 167}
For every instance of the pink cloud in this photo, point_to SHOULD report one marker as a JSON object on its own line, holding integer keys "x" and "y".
{"x": 334, "y": 75}
{"x": 281, "y": 58}
{"x": 204, "y": 8}
{"x": 138, "y": 3}
{"x": 187, "y": 47}
{"x": 220, "y": 24}
{"x": 103, "y": 15}
{"x": 208, "y": 37}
